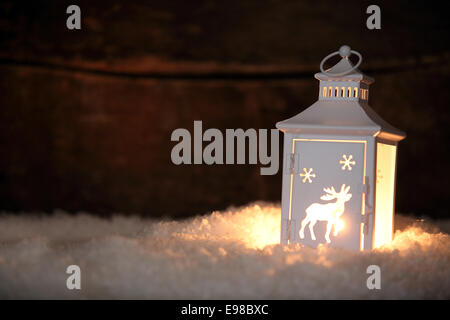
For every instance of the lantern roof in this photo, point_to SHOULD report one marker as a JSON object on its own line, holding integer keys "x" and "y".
{"x": 342, "y": 116}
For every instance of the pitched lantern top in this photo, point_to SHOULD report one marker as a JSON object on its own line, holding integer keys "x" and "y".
{"x": 342, "y": 108}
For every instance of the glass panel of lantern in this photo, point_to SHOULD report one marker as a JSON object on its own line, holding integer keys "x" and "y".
{"x": 339, "y": 165}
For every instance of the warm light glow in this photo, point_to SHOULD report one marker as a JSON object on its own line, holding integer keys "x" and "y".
{"x": 339, "y": 226}
{"x": 254, "y": 226}
{"x": 257, "y": 227}
{"x": 384, "y": 205}
{"x": 264, "y": 229}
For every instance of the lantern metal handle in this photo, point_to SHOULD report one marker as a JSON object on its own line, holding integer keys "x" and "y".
{"x": 344, "y": 52}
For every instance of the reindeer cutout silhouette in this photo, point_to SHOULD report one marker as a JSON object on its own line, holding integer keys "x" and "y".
{"x": 329, "y": 212}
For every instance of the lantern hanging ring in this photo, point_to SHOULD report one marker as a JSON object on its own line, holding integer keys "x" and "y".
{"x": 344, "y": 52}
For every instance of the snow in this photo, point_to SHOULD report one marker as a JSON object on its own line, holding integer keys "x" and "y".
{"x": 232, "y": 254}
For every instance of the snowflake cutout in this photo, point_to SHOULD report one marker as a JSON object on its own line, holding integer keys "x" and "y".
{"x": 347, "y": 162}
{"x": 307, "y": 175}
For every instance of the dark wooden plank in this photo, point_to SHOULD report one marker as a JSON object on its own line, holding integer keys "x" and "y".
{"x": 90, "y": 142}
{"x": 211, "y": 36}
{"x": 86, "y": 116}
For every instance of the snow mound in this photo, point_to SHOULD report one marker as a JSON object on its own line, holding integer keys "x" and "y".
{"x": 232, "y": 254}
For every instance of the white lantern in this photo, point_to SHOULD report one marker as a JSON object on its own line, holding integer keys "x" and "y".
{"x": 339, "y": 165}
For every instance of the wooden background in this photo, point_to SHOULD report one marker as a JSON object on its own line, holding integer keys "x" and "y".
{"x": 86, "y": 116}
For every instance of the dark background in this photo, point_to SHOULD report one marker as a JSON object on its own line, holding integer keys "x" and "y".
{"x": 86, "y": 115}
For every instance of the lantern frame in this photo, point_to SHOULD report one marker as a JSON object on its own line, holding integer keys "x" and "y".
{"x": 340, "y": 118}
